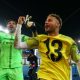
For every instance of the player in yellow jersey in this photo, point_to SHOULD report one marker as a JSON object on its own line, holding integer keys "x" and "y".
{"x": 55, "y": 49}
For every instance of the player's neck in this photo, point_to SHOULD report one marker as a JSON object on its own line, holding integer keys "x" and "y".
{"x": 53, "y": 33}
{"x": 12, "y": 33}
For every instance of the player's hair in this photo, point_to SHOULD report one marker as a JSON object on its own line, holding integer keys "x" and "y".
{"x": 12, "y": 20}
{"x": 57, "y": 17}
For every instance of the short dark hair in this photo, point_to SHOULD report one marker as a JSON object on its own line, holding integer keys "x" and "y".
{"x": 12, "y": 20}
{"x": 57, "y": 17}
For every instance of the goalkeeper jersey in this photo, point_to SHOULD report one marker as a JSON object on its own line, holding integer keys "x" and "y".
{"x": 55, "y": 54}
{"x": 10, "y": 57}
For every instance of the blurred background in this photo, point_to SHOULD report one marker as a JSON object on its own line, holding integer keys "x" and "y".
{"x": 39, "y": 9}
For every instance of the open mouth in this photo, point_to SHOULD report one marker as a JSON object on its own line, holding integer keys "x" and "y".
{"x": 10, "y": 26}
{"x": 46, "y": 26}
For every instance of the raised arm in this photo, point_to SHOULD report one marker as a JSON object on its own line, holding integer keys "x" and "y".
{"x": 17, "y": 43}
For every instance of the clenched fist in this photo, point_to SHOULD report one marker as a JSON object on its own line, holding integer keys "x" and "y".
{"x": 21, "y": 20}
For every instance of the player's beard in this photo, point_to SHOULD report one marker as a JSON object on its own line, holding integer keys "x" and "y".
{"x": 48, "y": 30}
{"x": 11, "y": 30}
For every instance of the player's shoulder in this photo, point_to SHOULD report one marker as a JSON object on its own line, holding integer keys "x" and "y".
{"x": 2, "y": 33}
{"x": 42, "y": 37}
{"x": 65, "y": 37}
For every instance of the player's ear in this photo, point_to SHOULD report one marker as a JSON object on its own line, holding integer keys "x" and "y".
{"x": 58, "y": 24}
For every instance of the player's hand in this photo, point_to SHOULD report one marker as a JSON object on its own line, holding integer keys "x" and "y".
{"x": 21, "y": 20}
{"x": 30, "y": 23}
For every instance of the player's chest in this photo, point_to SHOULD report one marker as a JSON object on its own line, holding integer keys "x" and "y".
{"x": 55, "y": 49}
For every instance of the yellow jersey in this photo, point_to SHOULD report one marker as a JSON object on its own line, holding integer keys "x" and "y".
{"x": 55, "y": 52}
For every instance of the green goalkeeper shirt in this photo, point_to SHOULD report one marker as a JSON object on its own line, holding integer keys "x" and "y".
{"x": 10, "y": 57}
